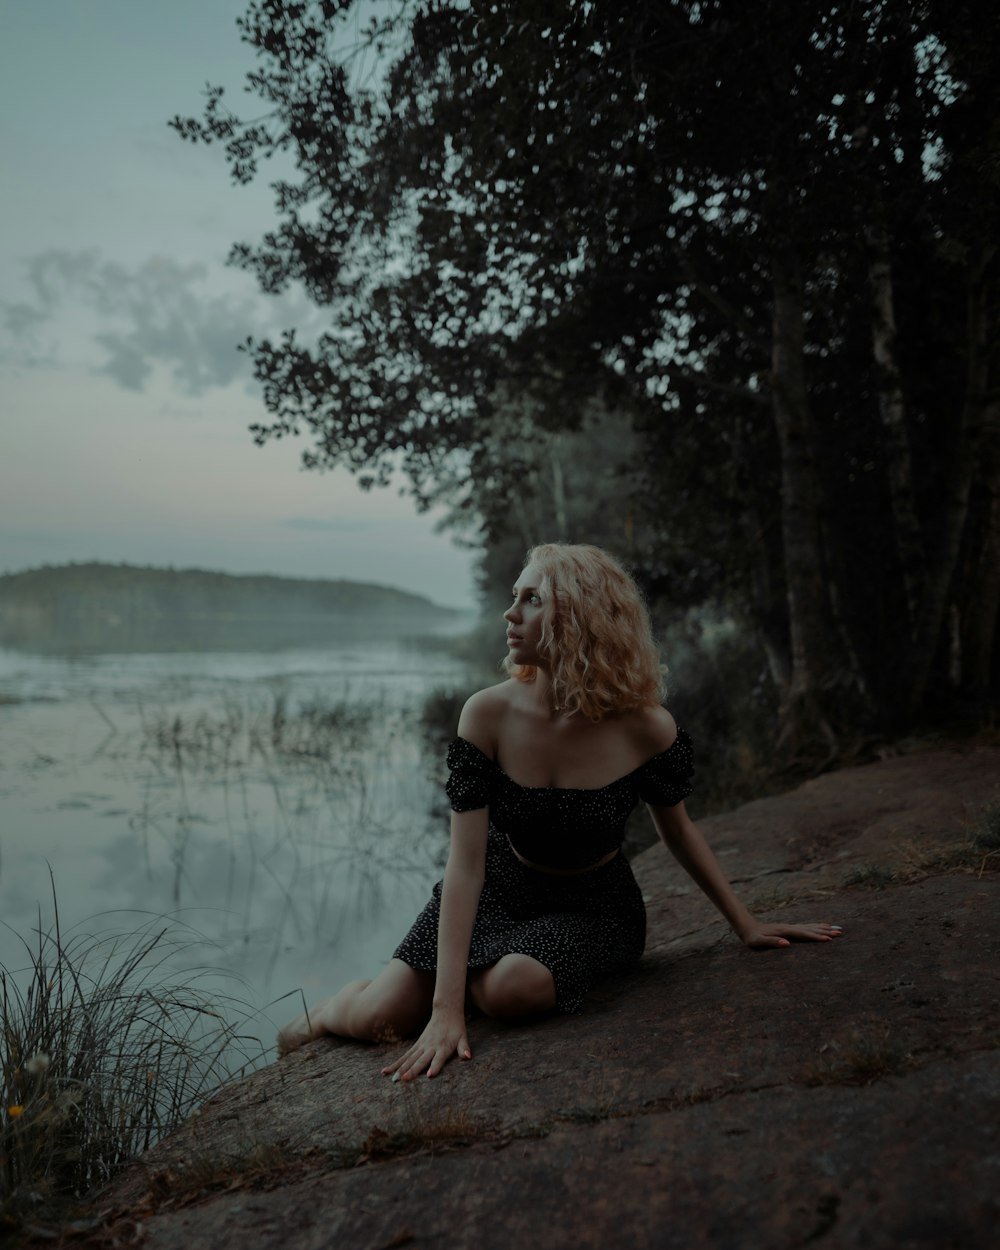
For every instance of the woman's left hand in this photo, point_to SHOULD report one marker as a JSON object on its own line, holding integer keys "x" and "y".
{"x": 762, "y": 936}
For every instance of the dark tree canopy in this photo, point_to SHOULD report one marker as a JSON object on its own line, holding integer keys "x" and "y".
{"x": 715, "y": 284}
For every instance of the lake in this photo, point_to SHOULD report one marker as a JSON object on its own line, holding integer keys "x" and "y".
{"x": 283, "y": 809}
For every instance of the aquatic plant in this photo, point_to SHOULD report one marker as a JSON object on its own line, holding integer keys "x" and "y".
{"x": 240, "y": 734}
{"x": 103, "y": 1052}
{"x": 322, "y": 802}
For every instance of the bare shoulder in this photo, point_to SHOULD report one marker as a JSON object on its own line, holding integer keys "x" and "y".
{"x": 482, "y": 716}
{"x": 652, "y": 729}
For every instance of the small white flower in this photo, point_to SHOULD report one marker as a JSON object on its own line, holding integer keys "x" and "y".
{"x": 38, "y": 1064}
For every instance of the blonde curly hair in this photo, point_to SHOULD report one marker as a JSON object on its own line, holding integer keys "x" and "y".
{"x": 596, "y": 636}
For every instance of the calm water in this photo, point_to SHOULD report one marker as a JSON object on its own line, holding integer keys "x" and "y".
{"x": 282, "y": 808}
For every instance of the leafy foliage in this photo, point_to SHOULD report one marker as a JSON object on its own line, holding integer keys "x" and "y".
{"x": 757, "y": 241}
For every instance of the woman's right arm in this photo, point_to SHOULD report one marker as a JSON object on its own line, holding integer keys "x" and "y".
{"x": 445, "y": 1036}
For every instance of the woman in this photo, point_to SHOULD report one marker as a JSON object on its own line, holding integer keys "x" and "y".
{"x": 537, "y": 901}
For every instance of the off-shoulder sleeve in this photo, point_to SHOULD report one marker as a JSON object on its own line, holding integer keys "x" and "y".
{"x": 471, "y": 776}
{"x": 666, "y": 779}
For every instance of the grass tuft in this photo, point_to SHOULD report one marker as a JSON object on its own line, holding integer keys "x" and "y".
{"x": 101, "y": 1056}
{"x": 263, "y": 1167}
{"x": 976, "y": 851}
{"x": 870, "y": 877}
{"x": 862, "y": 1058}
{"x": 986, "y": 836}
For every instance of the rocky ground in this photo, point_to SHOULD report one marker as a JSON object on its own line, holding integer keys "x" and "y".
{"x": 844, "y": 1094}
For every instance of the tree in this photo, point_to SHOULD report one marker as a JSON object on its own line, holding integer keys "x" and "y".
{"x": 765, "y": 234}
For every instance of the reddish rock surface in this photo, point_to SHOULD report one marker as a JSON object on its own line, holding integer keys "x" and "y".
{"x": 844, "y": 1094}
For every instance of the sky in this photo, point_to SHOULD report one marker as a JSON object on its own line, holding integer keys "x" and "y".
{"x": 124, "y": 404}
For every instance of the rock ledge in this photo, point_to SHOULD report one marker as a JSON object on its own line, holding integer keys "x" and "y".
{"x": 818, "y": 1096}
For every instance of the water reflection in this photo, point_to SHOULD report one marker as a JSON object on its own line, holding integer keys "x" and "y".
{"x": 285, "y": 806}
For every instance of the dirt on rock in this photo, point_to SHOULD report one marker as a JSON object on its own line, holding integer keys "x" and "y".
{"x": 842, "y": 1094}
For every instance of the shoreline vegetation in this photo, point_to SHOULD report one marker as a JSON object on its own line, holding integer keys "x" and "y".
{"x": 98, "y": 607}
{"x": 111, "y": 1038}
{"x": 106, "y": 1049}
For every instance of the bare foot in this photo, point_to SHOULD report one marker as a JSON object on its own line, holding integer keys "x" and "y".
{"x": 304, "y": 1028}
{"x": 332, "y": 1015}
{"x": 295, "y": 1034}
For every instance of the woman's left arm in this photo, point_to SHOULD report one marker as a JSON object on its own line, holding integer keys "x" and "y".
{"x": 685, "y": 841}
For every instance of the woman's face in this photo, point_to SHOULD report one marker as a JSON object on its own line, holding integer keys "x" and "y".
{"x": 524, "y": 618}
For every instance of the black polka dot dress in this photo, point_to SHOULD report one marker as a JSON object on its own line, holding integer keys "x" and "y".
{"x": 581, "y": 926}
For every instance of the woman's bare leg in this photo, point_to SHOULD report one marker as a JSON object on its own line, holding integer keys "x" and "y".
{"x": 392, "y": 1006}
{"x": 513, "y": 987}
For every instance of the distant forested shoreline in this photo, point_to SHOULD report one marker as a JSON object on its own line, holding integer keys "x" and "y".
{"x": 119, "y": 607}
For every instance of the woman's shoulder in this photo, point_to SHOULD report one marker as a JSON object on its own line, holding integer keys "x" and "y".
{"x": 665, "y": 778}
{"x": 651, "y": 729}
{"x": 483, "y": 715}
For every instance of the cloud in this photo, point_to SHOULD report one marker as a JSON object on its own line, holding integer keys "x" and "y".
{"x": 22, "y": 320}
{"x": 161, "y": 313}
{"x": 339, "y": 525}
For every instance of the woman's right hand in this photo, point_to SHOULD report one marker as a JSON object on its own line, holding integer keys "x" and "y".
{"x": 443, "y": 1038}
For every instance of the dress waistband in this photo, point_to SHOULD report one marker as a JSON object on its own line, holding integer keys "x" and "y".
{"x": 563, "y": 872}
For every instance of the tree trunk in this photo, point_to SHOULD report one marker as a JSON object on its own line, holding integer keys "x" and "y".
{"x": 770, "y": 611}
{"x": 818, "y": 666}
{"x": 944, "y": 553}
{"x": 558, "y": 488}
{"x": 892, "y": 408}
{"x": 982, "y": 588}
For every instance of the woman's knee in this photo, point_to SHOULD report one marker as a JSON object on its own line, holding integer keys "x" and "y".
{"x": 393, "y": 1006}
{"x": 515, "y": 986}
